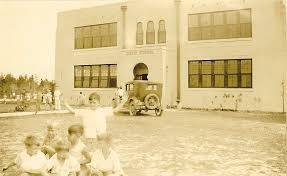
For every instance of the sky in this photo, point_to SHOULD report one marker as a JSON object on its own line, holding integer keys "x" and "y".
{"x": 28, "y": 31}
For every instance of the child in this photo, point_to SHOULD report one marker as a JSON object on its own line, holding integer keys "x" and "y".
{"x": 78, "y": 149}
{"x": 105, "y": 161}
{"x": 31, "y": 161}
{"x": 93, "y": 118}
{"x": 50, "y": 140}
{"x": 62, "y": 163}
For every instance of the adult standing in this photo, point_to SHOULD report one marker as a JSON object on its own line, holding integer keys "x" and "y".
{"x": 50, "y": 99}
{"x": 57, "y": 95}
{"x": 120, "y": 93}
{"x": 38, "y": 101}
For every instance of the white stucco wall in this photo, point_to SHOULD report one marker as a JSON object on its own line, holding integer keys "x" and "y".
{"x": 267, "y": 48}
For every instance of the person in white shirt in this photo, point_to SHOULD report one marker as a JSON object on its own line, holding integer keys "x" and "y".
{"x": 105, "y": 161}
{"x": 49, "y": 100}
{"x": 78, "y": 149}
{"x": 31, "y": 161}
{"x": 94, "y": 117}
{"x": 120, "y": 93}
{"x": 62, "y": 163}
{"x": 57, "y": 95}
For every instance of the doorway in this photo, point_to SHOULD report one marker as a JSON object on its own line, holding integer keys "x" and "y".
{"x": 140, "y": 72}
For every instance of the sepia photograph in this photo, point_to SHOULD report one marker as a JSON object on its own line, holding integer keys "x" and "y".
{"x": 143, "y": 87}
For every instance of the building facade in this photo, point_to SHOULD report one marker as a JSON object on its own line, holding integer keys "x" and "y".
{"x": 209, "y": 54}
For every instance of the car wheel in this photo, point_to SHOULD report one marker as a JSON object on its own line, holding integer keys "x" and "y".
{"x": 151, "y": 101}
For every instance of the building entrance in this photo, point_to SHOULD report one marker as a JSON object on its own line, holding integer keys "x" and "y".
{"x": 140, "y": 72}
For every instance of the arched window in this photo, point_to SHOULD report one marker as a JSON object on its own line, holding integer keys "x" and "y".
{"x": 150, "y": 34}
{"x": 161, "y": 32}
{"x": 139, "y": 37}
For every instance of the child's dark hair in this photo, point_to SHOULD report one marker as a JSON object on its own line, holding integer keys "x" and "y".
{"x": 31, "y": 140}
{"x": 94, "y": 96}
{"x": 76, "y": 129}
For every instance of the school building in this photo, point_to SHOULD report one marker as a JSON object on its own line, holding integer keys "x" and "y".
{"x": 209, "y": 54}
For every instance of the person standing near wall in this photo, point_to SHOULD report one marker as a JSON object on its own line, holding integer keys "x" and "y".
{"x": 50, "y": 99}
{"x": 57, "y": 95}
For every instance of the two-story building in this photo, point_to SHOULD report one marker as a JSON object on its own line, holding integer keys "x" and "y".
{"x": 213, "y": 54}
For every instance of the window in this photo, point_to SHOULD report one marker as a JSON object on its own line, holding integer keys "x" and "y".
{"x": 245, "y": 23}
{"x": 220, "y": 25}
{"x": 206, "y": 74}
{"x": 232, "y": 24}
{"x": 78, "y": 76}
{"x": 194, "y": 32}
{"x": 206, "y": 26}
{"x": 95, "y": 76}
{"x": 113, "y": 76}
{"x": 87, "y": 76}
{"x": 151, "y": 87}
{"x": 139, "y": 34}
{"x": 219, "y": 74}
{"x": 161, "y": 32}
{"x": 88, "y": 39}
{"x": 150, "y": 34}
{"x": 129, "y": 87}
{"x": 193, "y": 70}
{"x": 104, "y": 76}
{"x": 246, "y": 73}
{"x": 96, "y": 36}
{"x": 233, "y": 73}
{"x": 79, "y": 41}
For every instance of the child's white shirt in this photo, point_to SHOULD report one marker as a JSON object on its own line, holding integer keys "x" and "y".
{"x": 76, "y": 151}
{"x": 70, "y": 165}
{"x": 31, "y": 164}
{"x": 112, "y": 163}
{"x": 121, "y": 92}
{"x": 94, "y": 121}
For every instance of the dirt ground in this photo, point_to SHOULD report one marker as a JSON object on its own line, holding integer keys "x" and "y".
{"x": 177, "y": 144}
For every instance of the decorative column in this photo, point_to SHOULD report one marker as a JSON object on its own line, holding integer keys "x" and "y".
{"x": 178, "y": 72}
{"x": 123, "y": 37}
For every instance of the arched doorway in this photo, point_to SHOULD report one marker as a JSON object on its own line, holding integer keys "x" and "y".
{"x": 140, "y": 72}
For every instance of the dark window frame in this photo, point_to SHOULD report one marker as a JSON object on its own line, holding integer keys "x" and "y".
{"x": 238, "y": 30}
{"x": 99, "y": 40}
{"x": 213, "y": 74}
{"x": 82, "y": 77}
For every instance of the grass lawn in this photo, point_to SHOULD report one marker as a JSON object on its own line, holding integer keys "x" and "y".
{"x": 176, "y": 144}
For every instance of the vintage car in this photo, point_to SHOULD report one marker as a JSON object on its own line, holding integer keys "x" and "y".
{"x": 143, "y": 95}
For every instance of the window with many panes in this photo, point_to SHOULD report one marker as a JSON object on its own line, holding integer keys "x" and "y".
{"x": 95, "y": 76}
{"x": 220, "y": 25}
{"x": 96, "y": 36}
{"x": 232, "y": 73}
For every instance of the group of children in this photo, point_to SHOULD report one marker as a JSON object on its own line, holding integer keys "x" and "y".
{"x": 57, "y": 156}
